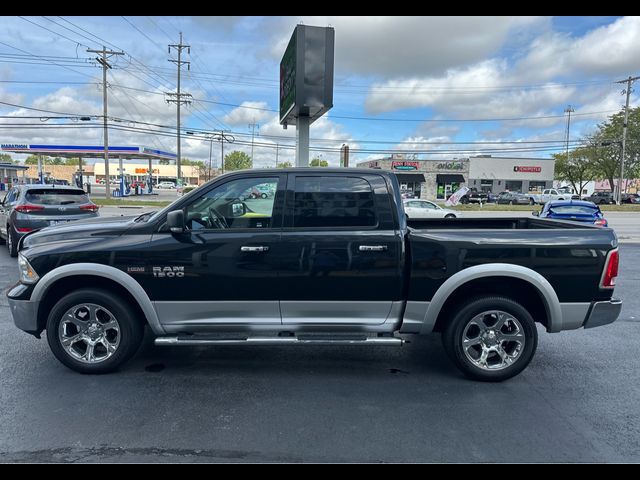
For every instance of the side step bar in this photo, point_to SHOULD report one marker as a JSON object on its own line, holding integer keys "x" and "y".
{"x": 307, "y": 340}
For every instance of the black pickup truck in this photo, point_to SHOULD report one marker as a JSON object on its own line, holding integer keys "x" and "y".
{"x": 329, "y": 259}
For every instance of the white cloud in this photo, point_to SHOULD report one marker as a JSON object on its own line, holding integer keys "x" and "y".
{"x": 247, "y": 113}
{"x": 400, "y": 46}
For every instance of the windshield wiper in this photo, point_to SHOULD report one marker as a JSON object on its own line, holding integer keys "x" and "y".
{"x": 144, "y": 217}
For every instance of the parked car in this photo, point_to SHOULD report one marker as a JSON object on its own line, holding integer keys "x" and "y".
{"x": 166, "y": 185}
{"x": 427, "y": 209}
{"x": 332, "y": 260}
{"x": 574, "y": 210}
{"x": 513, "y": 198}
{"x": 474, "y": 196}
{"x": 630, "y": 198}
{"x": 601, "y": 198}
{"x": 31, "y": 207}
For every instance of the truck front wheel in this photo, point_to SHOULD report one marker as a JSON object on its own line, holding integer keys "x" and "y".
{"x": 93, "y": 331}
{"x": 491, "y": 339}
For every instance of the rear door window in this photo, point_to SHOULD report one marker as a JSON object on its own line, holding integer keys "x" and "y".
{"x": 57, "y": 196}
{"x": 333, "y": 202}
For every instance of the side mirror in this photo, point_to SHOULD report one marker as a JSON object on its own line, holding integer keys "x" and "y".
{"x": 238, "y": 209}
{"x": 535, "y": 214}
{"x": 175, "y": 221}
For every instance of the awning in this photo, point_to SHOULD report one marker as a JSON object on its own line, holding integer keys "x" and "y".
{"x": 410, "y": 177}
{"x": 449, "y": 178}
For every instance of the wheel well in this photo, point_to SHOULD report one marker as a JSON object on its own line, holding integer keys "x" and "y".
{"x": 68, "y": 284}
{"x": 519, "y": 290}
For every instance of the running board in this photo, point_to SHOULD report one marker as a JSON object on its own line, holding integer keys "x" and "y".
{"x": 189, "y": 341}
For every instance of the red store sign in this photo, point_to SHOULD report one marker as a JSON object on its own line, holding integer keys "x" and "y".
{"x": 527, "y": 169}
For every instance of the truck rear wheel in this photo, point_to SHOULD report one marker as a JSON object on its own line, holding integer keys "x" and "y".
{"x": 93, "y": 331}
{"x": 491, "y": 339}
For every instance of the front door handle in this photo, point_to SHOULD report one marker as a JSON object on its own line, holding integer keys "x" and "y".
{"x": 372, "y": 248}
{"x": 262, "y": 248}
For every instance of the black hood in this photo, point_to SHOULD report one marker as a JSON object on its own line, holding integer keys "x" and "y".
{"x": 99, "y": 226}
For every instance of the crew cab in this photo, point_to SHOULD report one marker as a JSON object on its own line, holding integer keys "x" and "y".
{"x": 331, "y": 258}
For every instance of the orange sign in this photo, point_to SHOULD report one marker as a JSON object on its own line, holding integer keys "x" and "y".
{"x": 145, "y": 170}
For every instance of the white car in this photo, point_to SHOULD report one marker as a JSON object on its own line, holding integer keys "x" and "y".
{"x": 166, "y": 185}
{"x": 426, "y": 209}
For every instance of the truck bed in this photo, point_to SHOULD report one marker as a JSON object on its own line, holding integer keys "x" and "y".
{"x": 498, "y": 223}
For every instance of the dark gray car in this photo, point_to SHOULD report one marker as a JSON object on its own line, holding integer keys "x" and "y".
{"x": 30, "y": 207}
{"x": 513, "y": 198}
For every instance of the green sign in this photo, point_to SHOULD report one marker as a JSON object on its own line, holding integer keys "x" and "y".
{"x": 288, "y": 78}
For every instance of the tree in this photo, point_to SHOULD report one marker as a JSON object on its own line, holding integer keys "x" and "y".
{"x": 579, "y": 169}
{"x": 237, "y": 160}
{"x": 164, "y": 161}
{"x": 6, "y": 158}
{"x": 31, "y": 160}
{"x": 285, "y": 165}
{"x": 608, "y": 140}
{"x": 318, "y": 162}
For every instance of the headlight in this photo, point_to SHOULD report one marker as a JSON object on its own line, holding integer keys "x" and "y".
{"x": 27, "y": 274}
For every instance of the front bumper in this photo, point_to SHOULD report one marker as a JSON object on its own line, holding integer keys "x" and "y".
{"x": 25, "y": 315}
{"x": 603, "y": 313}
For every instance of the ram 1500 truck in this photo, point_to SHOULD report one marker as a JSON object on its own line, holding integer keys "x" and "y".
{"x": 330, "y": 258}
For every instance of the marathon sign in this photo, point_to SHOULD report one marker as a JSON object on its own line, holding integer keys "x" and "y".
{"x": 14, "y": 146}
{"x": 527, "y": 169}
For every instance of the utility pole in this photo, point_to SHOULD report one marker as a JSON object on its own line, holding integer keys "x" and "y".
{"x": 628, "y": 90}
{"x": 253, "y": 127}
{"x": 105, "y": 65}
{"x": 568, "y": 110}
{"x": 177, "y": 97}
{"x": 221, "y": 137}
{"x": 277, "y": 148}
{"x": 210, "y": 148}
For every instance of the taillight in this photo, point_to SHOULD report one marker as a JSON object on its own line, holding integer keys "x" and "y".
{"x": 601, "y": 222}
{"x": 92, "y": 208}
{"x": 28, "y": 208}
{"x": 23, "y": 230}
{"x": 610, "y": 270}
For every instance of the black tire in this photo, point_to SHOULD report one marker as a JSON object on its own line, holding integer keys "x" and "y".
{"x": 452, "y": 338}
{"x": 263, "y": 195}
{"x": 464, "y": 200}
{"x": 130, "y": 333}
{"x": 532, "y": 201}
{"x": 12, "y": 242}
{"x": 450, "y": 215}
{"x": 511, "y": 202}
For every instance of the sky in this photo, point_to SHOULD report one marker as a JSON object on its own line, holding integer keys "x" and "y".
{"x": 434, "y": 87}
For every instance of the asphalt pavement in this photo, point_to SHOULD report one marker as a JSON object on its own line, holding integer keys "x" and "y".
{"x": 576, "y": 402}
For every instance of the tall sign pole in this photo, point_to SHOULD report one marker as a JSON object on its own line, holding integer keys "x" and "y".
{"x": 105, "y": 65}
{"x": 306, "y": 83}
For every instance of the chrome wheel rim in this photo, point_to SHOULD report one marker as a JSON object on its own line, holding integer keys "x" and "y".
{"x": 89, "y": 333}
{"x": 9, "y": 241}
{"x": 493, "y": 340}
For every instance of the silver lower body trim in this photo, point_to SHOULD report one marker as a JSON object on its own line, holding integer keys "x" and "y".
{"x": 339, "y": 312}
{"x": 414, "y": 318}
{"x": 25, "y": 314}
{"x": 573, "y": 315}
{"x": 175, "y": 316}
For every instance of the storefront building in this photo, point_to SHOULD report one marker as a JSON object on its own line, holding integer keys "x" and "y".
{"x": 499, "y": 174}
{"x": 428, "y": 179}
{"x": 438, "y": 179}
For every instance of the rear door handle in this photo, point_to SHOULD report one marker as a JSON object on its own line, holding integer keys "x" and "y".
{"x": 262, "y": 248}
{"x": 372, "y": 248}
